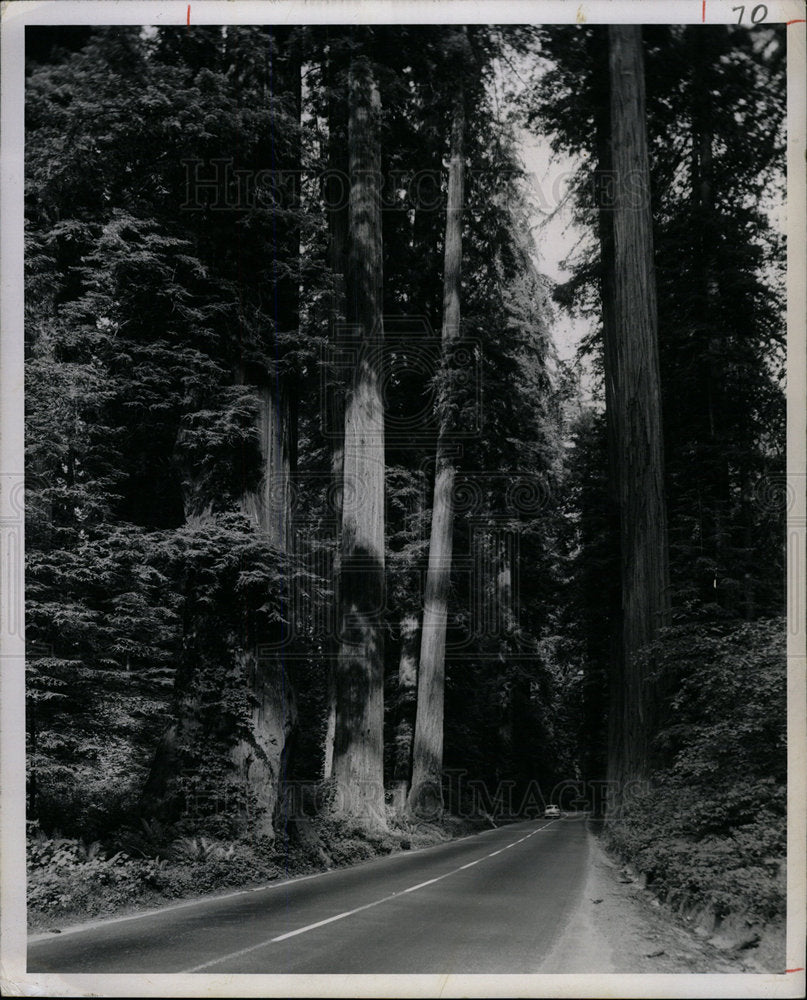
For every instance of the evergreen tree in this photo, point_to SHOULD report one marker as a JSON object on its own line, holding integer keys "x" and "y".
{"x": 631, "y": 363}
{"x": 358, "y": 756}
{"x": 427, "y": 763}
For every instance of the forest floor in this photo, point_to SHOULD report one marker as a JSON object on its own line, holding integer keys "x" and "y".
{"x": 621, "y": 927}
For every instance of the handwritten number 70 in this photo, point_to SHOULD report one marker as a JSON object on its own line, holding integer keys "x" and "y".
{"x": 758, "y": 14}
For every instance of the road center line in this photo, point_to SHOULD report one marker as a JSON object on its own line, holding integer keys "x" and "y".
{"x": 346, "y": 913}
{"x": 420, "y": 885}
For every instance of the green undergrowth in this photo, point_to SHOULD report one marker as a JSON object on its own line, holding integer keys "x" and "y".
{"x": 709, "y": 834}
{"x": 669, "y": 836}
{"x": 70, "y": 880}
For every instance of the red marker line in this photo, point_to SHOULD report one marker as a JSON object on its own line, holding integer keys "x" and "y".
{"x": 189, "y": 12}
{"x": 793, "y": 970}
{"x": 797, "y": 20}
{"x": 703, "y": 10}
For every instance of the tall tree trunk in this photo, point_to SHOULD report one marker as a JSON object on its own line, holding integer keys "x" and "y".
{"x": 633, "y": 356}
{"x": 261, "y": 755}
{"x": 338, "y": 220}
{"x": 605, "y": 222}
{"x": 358, "y": 755}
{"x": 427, "y": 757}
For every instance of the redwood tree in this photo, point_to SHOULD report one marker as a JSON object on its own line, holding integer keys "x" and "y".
{"x": 273, "y": 711}
{"x": 358, "y": 754}
{"x": 632, "y": 368}
{"x": 427, "y": 756}
{"x": 338, "y": 225}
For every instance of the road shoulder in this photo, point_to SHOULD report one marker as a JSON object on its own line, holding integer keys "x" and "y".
{"x": 618, "y": 927}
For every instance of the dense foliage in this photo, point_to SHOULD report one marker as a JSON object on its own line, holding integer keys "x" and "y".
{"x": 713, "y": 829}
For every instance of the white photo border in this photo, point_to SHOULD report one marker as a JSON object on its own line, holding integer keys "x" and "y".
{"x": 16, "y": 14}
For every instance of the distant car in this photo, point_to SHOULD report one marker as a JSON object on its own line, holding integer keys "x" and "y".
{"x": 552, "y": 811}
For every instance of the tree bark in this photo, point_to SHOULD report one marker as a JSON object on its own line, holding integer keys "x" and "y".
{"x": 631, "y": 357}
{"x": 605, "y": 222}
{"x": 268, "y": 506}
{"x": 273, "y": 715}
{"x": 358, "y": 756}
{"x": 260, "y": 757}
{"x": 427, "y": 757}
{"x": 338, "y": 221}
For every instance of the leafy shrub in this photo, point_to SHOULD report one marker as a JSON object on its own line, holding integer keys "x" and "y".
{"x": 202, "y": 849}
{"x": 67, "y": 875}
{"x": 149, "y": 838}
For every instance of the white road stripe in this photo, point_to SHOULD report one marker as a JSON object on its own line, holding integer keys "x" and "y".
{"x": 321, "y": 923}
{"x": 348, "y": 913}
{"x": 420, "y": 885}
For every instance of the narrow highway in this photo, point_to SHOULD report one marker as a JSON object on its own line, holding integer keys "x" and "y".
{"x": 495, "y": 902}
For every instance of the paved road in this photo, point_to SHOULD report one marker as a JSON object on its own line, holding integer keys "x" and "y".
{"x": 495, "y": 902}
